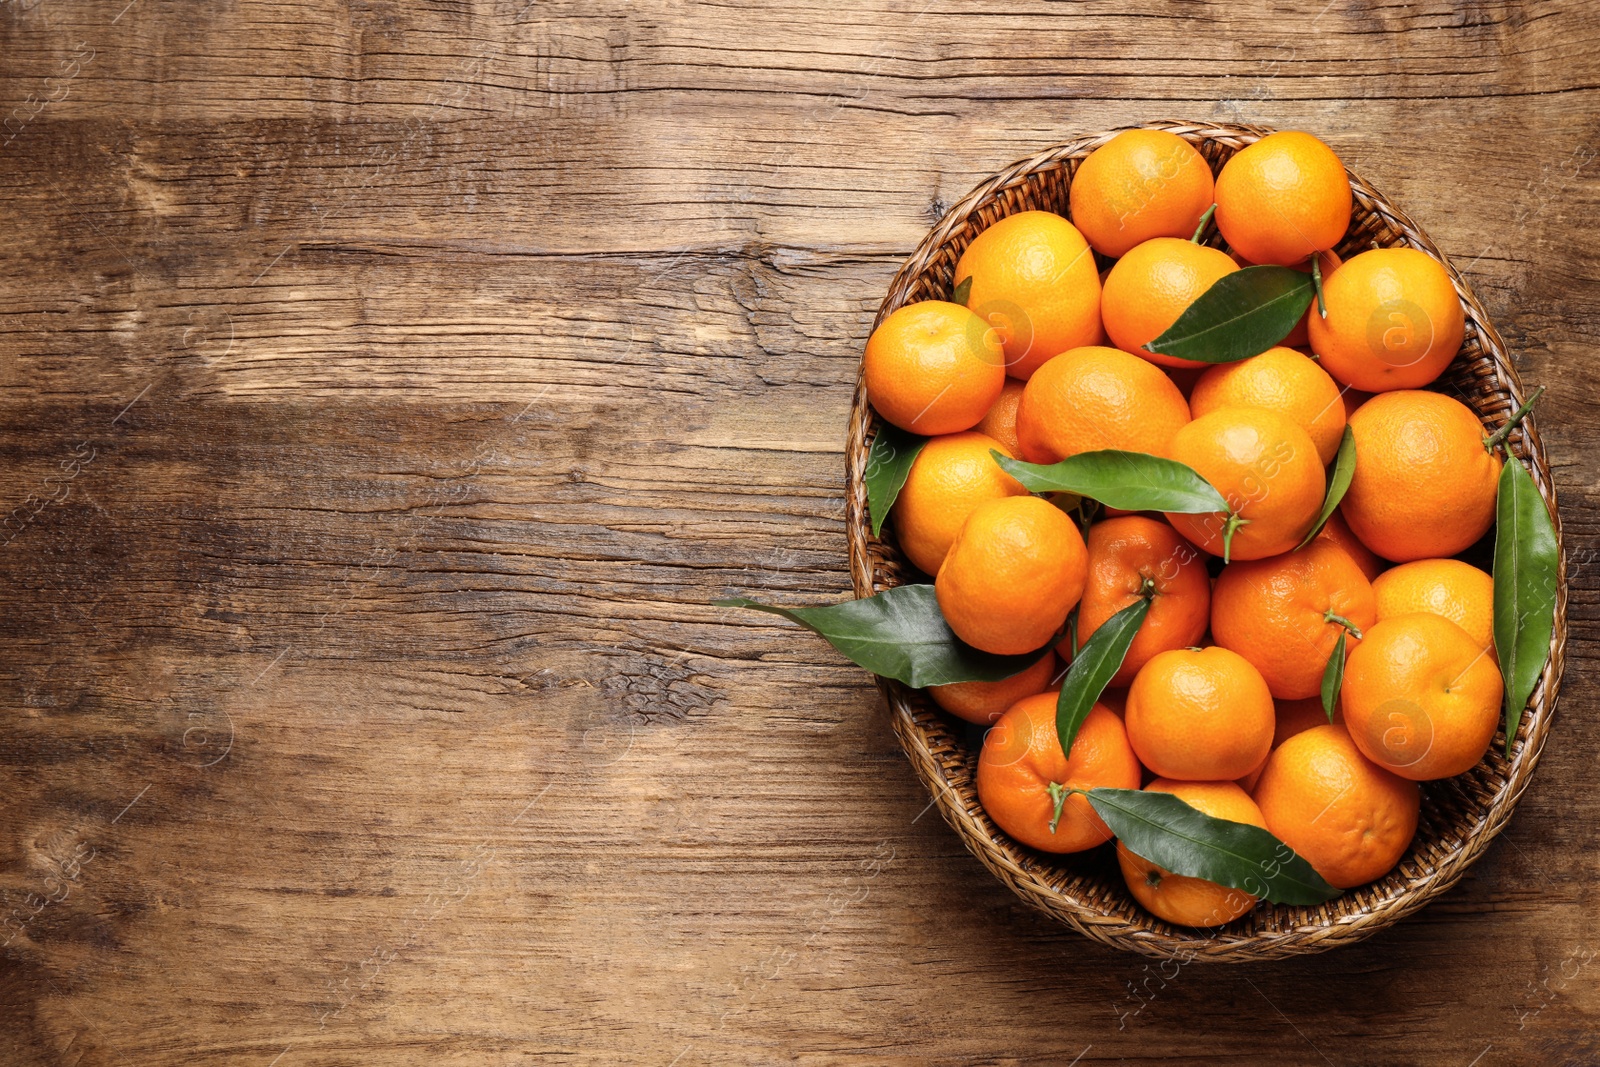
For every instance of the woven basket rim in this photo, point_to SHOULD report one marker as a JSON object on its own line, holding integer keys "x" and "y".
{"x": 1049, "y": 883}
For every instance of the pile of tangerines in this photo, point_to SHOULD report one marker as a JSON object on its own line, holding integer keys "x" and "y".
{"x": 1042, "y": 355}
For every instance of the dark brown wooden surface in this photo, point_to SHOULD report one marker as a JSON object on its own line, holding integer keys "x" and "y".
{"x": 409, "y": 377}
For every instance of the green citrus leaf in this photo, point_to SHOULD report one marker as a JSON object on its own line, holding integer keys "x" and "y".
{"x": 962, "y": 291}
{"x": 1527, "y": 565}
{"x": 1333, "y": 675}
{"x": 1171, "y": 834}
{"x": 1242, "y": 315}
{"x": 1093, "y": 667}
{"x": 1344, "y": 469}
{"x": 899, "y": 634}
{"x": 1132, "y": 481}
{"x": 888, "y": 464}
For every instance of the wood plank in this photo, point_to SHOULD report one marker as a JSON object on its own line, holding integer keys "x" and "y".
{"x": 427, "y": 370}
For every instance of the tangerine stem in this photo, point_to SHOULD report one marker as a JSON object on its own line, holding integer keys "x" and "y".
{"x": 1087, "y": 507}
{"x": 1059, "y": 794}
{"x": 1498, "y": 438}
{"x": 1316, "y": 280}
{"x": 1230, "y": 528}
{"x": 1204, "y": 221}
{"x": 1331, "y": 616}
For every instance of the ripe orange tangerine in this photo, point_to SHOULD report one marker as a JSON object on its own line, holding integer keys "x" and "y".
{"x": 1421, "y": 697}
{"x": 1000, "y": 421}
{"x": 1096, "y": 398}
{"x": 1151, "y": 286}
{"x": 1338, "y": 531}
{"x": 1126, "y": 555}
{"x": 1179, "y": 898}
{"x": 932, "y": 368}
{"x": 1033, "y": 280}
{"x": 1458, "y": 591}
{"x": 1424, "y": 484}
{"x": 1015, "y": 570}
{"x": 953, "y": 474}
{"x": 1349, "y": 818}
{"x": 1265, "y": 467}
{"x": 1138, "y": 185}
{"x": 984, "y": 702}
{"x": 1200, "y": 715}
{"x": 1394, "y": 320}
{"x": 1285, "y": 614}
{"x": 1283, "y": 198}
{"x": 1022, "y": 773}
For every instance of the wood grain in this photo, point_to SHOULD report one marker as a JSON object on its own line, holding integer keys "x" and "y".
{"x": 410, "y": 378}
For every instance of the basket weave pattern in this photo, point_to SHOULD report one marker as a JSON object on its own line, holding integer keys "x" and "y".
{"x": 1460, "y": 815}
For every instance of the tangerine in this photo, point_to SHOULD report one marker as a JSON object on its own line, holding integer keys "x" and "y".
{"x": 1034, "y": 282}
{"x": 933, "y": 368}
{"x": 1127, "y": 555}
{"x": 1285, "y": 614}
{"x": 1394, "y": 320}
{"x": 1138, "y": 185}
{"x": 1338, "y": 531}
{"x": 1424, "y": 483}
{"x": 1179, "y": 898}
{"x": 1267, "y": 471}
{"x": 1000, "y": 421}
{"x": 1025, "y": 780}
{"x": 1449, "y": 588}
{"x": 1014, "y": 571}
{"x": 952, "y": 474}
{"x": 1096, "y": 398}
{"x": 1283, "y": 199}
{"x": 1200, "y": 715}
{"x": 1151, "y": 286}
{"x": 984, "y": 702}
{"x": 1421, "y": 698}
{"x": 1347, "y": 817}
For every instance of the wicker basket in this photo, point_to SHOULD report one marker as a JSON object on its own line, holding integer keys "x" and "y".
{"x": 1460, "y": 816}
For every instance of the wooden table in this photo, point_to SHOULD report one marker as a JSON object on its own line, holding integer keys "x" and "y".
{"x": 389, "y": 388}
